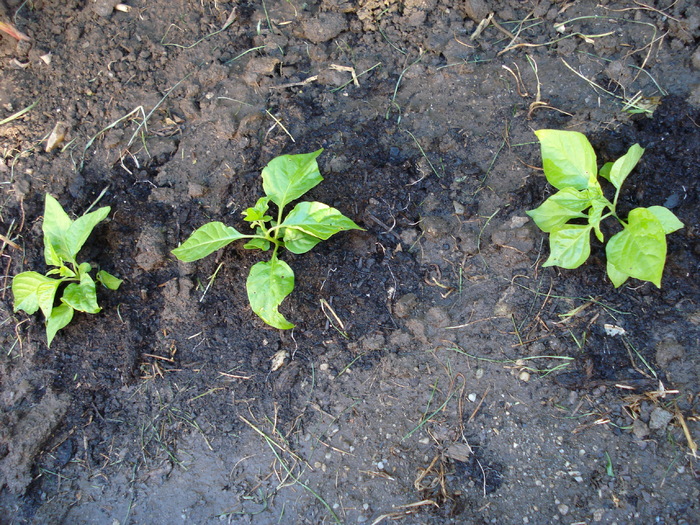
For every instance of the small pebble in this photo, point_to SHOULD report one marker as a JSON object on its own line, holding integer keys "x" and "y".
{"x": 471, "y": 397}
{"x": 524, "y": 375}
{"x": 323, "y": 367}
{"x": 563, "y": 509}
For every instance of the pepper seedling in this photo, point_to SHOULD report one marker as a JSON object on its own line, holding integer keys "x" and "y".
{"x": 285, "y": 179}
{"x": 63, "y": 239}
{"x": 579, "y": 207}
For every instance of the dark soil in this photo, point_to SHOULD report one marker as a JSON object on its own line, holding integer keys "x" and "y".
{"x": 437, "y": 373}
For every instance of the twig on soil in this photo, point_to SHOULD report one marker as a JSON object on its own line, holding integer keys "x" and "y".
{"x": 243, "y": 54}
{"x": 211, "y": 281}
{"x": 274, "y": 447}
{"x": 231, "y": 18}
{"x": 295, "y": 84}
{"x": 398, "y": 83}
{"x": 278, "y": 123}
{"x": 424, "y": 156}
{"x": 333, "y": 318}
{"x": 21, "y": 112}
{"x": 426, "y": 418}
{"x": 358, "y": 76}
{"x": 410, "y": 509}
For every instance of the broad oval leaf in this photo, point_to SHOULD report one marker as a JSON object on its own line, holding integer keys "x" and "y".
{"x": 205, "y": 240}
{"x": 559, "y": 208}
{"x": 317, "y": 219}
{"x": 82, "y": 296}
{"x": 55, "y": 227}
{"x": 46, "y": 293}
{"x": 624, "y": 165}
{"x": 288, "y": 177}
{"x": 568, "y": 158}
{"x": 640, "y": 249}
{"x": 82, "y": 227}
{"x": 267, "y": 285}
{"x": 669, "y": 221}
{"x": 257, "y": 243}
{"x": 108, "y": 280}
{"x": 569, "y": 246}
{"x": 296, "y": 241}
{"x": 617, "y": 277}
{"x": 25, "y": 289}
{"x": 59, "y": 318}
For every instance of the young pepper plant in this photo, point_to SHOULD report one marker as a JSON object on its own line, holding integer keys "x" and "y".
{"x": 63, "y": 239}
{"x": 285, "y": 179}
{"x": 579, "y": 207}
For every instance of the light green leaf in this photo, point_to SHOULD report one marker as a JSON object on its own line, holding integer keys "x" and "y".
{"x": 559, "y": 208}
{"x": 82, "y": 296}
{"x": 82, "y": 227}
{"x": 25, "y": 289}
{"x": 640, "y": 249}
{"x": 55, "y": 227}
{"x": 288, "y": 177}
{"x": 268, "y": 284}
{"x": 669, "y": 221}
{"x": 624, "y": 165}
{"x": 46, "y": 293}
{"x": 108, "y": 280}
{"x": 59, "y": 318}
{"x": 617, "y": 277}
{"x": 594, "y": 217}
{"x": 63, "y": 237}
{"x": 316, "y": 219}
{"x": 569, "y": 246}
{"x": 205, "y": 240}
{"x": 568, "y": 158}
{"x": 296, "y": 241}
{"x": 605, "y": 170}
{"x": 257, "y": 244}
{"x": 257, "y": 213}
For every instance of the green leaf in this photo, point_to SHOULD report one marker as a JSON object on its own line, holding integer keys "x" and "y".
{"x": 268, "y": 284}
{"x": 257, "y": 243}
{"x": 108, "y": 280}
{"x": 605, "y": 170}
{"x": 46, "y": 293}
{"x": 288, "y": 177}
{"x": 594, "y": 216}
{"x": 55, "y": 227}
{"x": 640, "y": 249}
{"x": 257, "y": 213}
{"x": 59, "y": 318}
{"x": 316, "y": 219}
{"x": 82, "y": 227}
{"x": 296, "y": 241}
{"x": 25, "y": 289}
{"x": 82, "y": 296}
{"x": 568, "y": 158}
{"x": 569, "y": 246}
{"x": 559, "y": 208}
{"x": 205, "y": 240}
{"x": 624, "y": 165}
{"x": 669, "y": 221}
{"x": 617, "y": 277}
{"x": 63, "y": 238}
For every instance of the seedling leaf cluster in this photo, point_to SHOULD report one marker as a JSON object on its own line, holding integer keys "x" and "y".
{"x": 580, "y": 206}
{"x": 285, "y": 179}
{"x": 63, "y": 239}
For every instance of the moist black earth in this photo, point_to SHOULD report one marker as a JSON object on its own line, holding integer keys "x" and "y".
{"x": 437, "y": 373}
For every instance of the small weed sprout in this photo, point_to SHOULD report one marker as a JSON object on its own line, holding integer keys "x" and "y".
{"x": 285, "y": 179}
{"x": 579, "y": 207}
{"x": 63, "y": 239}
